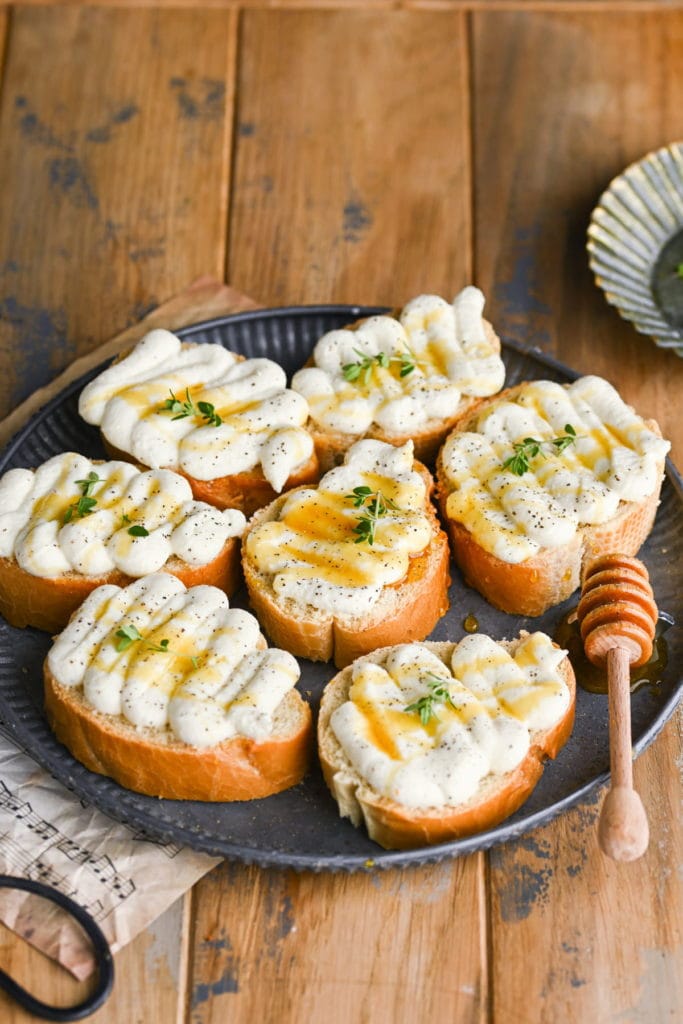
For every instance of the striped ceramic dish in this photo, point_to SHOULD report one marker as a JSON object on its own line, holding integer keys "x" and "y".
{"x": 635, "y": 242}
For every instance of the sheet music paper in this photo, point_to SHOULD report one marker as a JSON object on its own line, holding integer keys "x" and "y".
{"x": 122, "y": 877}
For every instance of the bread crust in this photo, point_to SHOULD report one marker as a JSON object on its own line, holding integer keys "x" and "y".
{"x": 238, "y": 769}
{"x": 48, "y": 602}
{"x": 246, "y": 491}
{"x": 552, "y": 574}
{"x": 396, "y": 827}
{"x": 331, "y": 446}
{"x": 407, "y": 610}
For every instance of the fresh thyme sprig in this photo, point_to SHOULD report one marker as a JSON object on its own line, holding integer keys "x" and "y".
{"x": 438, "y": 694}
{"x": 530, "y": 448}
{"x": 362, "y": 369}
{"x": 128, "y": 635}
{"x": 375, "y": 505}
{"x": 181, "y": 410}
{"x": 86, "y": 503}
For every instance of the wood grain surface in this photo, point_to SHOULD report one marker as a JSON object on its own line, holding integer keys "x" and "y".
{"x": 114, "y": 164}
{"x": 355, "y": 123}
{"x": 355, "y": 154}
{"x": 555, "y": 898}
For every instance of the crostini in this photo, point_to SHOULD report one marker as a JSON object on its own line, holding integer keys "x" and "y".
{"x": 230, "y": 425}
{"x": 428, "y": 742}
{"x": 400, "y": 378}
{"x": 74, "y": 524}
{"x": 358, "y": 562}
{"x": 174, "y": 694}
{"x": 544, "y": 478}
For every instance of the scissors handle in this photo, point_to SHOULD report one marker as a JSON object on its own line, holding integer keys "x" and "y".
{"x": 103, "y": 958}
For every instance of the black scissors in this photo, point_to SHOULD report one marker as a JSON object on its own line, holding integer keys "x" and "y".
{"x": 103, "y": 958}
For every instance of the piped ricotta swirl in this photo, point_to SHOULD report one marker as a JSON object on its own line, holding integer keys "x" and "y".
{"x": 215, "y": 680}
{"x": 262, "y": 420}
{"x": 446, "y": 343}
{"x": 616, "y": 457}
{"x": 497, "y": 700}
{"x": 311, "y": 551}
{"x": 34, "y": 505}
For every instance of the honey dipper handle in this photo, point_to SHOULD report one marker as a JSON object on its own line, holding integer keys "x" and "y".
{"x": 623, "y": 830}
{"x": 619, "y": 691}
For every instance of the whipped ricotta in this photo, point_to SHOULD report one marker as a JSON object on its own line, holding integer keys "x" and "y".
{"x": 446, "y": 345}
{"x": 312, "y": 552}
{"x": 616, "y": 457}
{"x": 41, "y": 527}
{"x": 262, "y": 422}
{"x": 497, "y": 701}
{"x": 213, "y": 681}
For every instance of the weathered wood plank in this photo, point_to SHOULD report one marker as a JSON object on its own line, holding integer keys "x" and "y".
{"x": 578, "y": 937}
{"x": 354, "y": 190}
{"x": 115, "y": 195}
{"x": 368, "y": 947}
{"x": 562, "y": 103}
{"x": 427, "y": 5}
{"x": 352, "y": 167}
{"x": 115, "y": 180}
{"x": 204, "y": 4}
{"x": 149, "y": 983}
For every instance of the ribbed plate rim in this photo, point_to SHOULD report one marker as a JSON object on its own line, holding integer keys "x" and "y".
{"x": 649, "y": 320}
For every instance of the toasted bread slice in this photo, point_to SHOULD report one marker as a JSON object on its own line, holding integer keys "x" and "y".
{"x": 228, "y": 424}
{"x": 49, "y": 603}
{"x": 407, "y": 608}
{"x": 153, "y": 759}
{"x": 247, "y": 492}
{"x": 487, "y": 538}
{"x": 410, "y": 368}
{"x": 73, "y": 514}
{"x": 237, "y": 769}
{"x": 395, "y": 825}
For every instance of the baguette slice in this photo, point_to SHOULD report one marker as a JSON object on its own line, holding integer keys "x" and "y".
{"x": 238, "y": 769}
{"x": 153, "y": 759}
{"x": 395, "y": 826}
{"x": 331, "y": 445}
{"x": 47, "y": 601}
{"x": 160, "y": 365}
{"x": 406, "y": 610}
{"x": 552, "y": 574}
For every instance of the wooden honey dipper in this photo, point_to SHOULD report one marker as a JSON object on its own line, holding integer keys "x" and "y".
{"x": 617, "y": 616}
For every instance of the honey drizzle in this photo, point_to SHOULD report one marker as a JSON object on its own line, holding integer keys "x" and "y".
{"x": 324, "y": 543}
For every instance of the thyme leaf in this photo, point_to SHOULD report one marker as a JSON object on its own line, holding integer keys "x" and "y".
{"x": 374, "y": 505}
{"x": 88, "y": 484}
{"x": 530, "y": 448}
{"x": 138, "y": 531}
{"x": 180, "y": 410}
{"x": 85, "y": 504}
{"x": 362, "y": 369}
{"x": 128, "y": 635}
{"x": 426, "y": 706}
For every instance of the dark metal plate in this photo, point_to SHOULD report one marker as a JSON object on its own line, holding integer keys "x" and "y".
{"x": 301, "y": 828}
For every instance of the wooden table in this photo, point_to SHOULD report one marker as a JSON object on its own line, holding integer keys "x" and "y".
{"x": 357, "y": 154}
